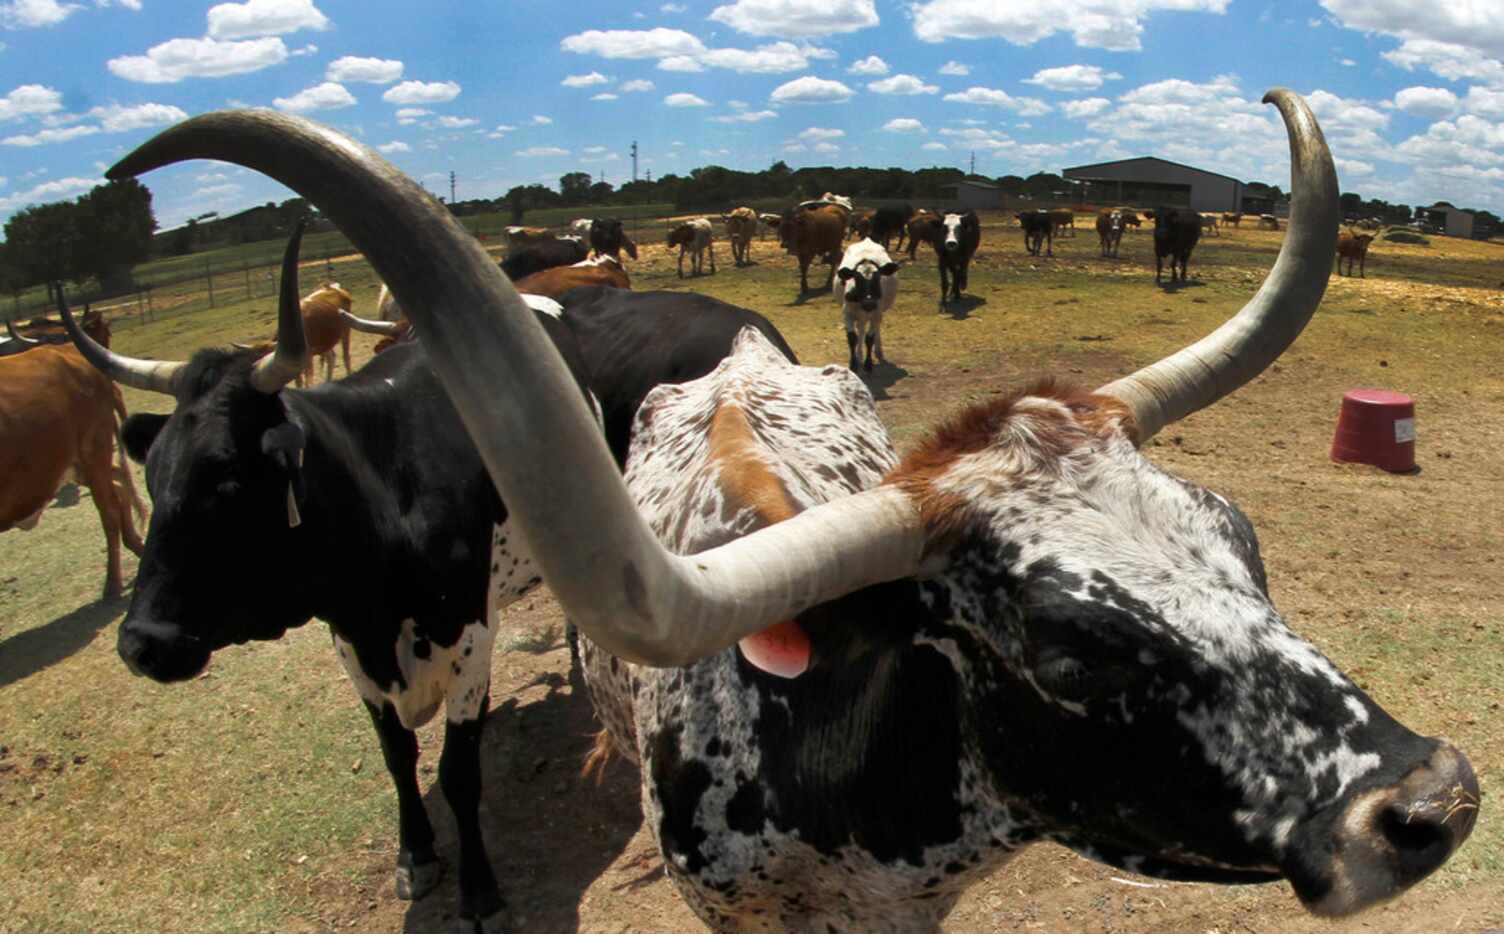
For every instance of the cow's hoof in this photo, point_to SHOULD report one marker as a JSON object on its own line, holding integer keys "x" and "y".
{"x": 416, "y": 881}
{"x": 490, "y": 924}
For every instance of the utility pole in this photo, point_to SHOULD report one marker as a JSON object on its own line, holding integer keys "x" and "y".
{"x": 451, "y": 187}
{"x": 634, "y": 160}
{"x": 973, "y": 162}
{"x": 650, "y": 176}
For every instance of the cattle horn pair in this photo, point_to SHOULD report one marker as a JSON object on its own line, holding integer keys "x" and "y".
{"x": 270, "y": 373}
{"x": 545, "y": 453}
{"x": 17, "y": 336}
{"x": 366, "y": 325}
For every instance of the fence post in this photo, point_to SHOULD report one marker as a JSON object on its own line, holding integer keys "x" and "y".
{"x": 209, "y": 275}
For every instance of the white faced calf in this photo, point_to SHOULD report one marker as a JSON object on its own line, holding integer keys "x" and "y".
{"x": 867, "y": 284}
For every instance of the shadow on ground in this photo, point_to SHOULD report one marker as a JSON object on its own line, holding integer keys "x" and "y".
{"x": 882, "y": 378}
{"x": 28, "y": 652}
{"x": 961, "y": 309}
{"x": 550, "y": 832}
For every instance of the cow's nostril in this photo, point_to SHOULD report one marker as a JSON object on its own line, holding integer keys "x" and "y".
{"x": 1420, "y": 842}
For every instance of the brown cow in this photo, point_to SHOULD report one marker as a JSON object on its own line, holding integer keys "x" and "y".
{"x": 921, "y": 229}
{"x": 1232, "y": 218}
{"x": 859, "y": 224}
{"x": 522, "y": 236}
{"x": 815, "y": 231}
{"x": 1353, "y": 246}
{"x": 58, "y": 415}
{"x": 741, "y": 227}
{"x": 41, "y": 332}
{"x": 551, "y": 283}
{"x": 1062, "y": 219}
{"x": 325, "y": 329}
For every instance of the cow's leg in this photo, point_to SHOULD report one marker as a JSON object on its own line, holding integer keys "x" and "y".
{"x": 682, "y": 249}
{"x": 1362, "y": 267}
{"x": 960, "y": 278}
{"x": 97, "y": 475}
{"x": 944, "y": 284}
{"x": 459, "y": 776}
{"x": 804, "y": 273}
{"x": 711, "y": 248}
{"x": 418, "y": 867}
{"x": 1049, "y": 243}
{"x": 1159, "y": 265}
{"x": 345, "y": 346}
{"x": 851, "y": 344}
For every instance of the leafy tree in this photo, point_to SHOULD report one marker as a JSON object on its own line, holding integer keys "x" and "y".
{"x": 117, "y": 223}
{"x": 1351, "y": 204}
{"x": 600, "y": 192}
{"x": 574, "y": 187}
{"x": 45, "y": 244}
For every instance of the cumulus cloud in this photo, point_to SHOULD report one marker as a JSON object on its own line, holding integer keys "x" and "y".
{"x": 1487, "y": 102}
{"x": 935, "y": 146}
{"x": 673, "y": 8}
{"x": 33, "y": 14}
{"x": 540, "y": 120}
{"x": 811, "y": 90}
{"x": 633, "y": 43}
{"x": 1427, "y": 31}
{"x": 976, "y": 138}
{"x": 1426, "y": 102}
{"x": 326, "y": 96}
{"x": 364, "y": 70}
{"x": 766, "y": 59}
{"x": 177, "y": 59}
{"x": 48, "y": 191}
{"x": 680, "y": 63}
{"x": 1086, "y": 107}
{"x": 683, "y": 99}
{"x": 991, "y": 97}
{"x": 30, "y": 100}
{"x": 1451, "y": 60}
{"x": 1101, "y": 24}
{"x": 903, "y": 125}
{"x": 264, "y": 18}
{"x": 1072, "y": 78}
{"x": 796, "y": 20}
{"x": 871, "y": 65}
{"x": 902, "y": 84}
{"x": 50, "y": 136}
{"x": 640, "y": 84}
{"x": 749, "y": 116}
{"x": 532, "y": 151}
{"x": 457, "y": 123}
{"x": 411, "y": 114}
{"x": 422, "y": 92}
{"x": 956, "y": 69}
{"x": 604, "y": 96}
{"x": 394, "y": 146}
{"x": 585, "y": 81}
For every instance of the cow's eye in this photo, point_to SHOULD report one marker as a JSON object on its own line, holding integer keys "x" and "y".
{"x": 1079, "y": 678}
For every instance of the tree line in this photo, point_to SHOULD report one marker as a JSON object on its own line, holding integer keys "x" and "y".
{"x": 97, "y": 236}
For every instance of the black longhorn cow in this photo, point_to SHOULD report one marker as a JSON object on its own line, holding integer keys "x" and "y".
{"x": 365, "y": 504}
{"x": 858, "y": 684}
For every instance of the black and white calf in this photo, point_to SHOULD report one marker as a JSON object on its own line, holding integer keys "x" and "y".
{"x": 858, "y": 684}
{"x": 364, "y": 503}
{"x": 866, "y": 286}
{"x": 955, "y": 238}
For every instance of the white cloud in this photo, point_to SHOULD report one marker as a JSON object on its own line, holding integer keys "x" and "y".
{"x": 975, "y": 138}
{"x": 48, "y": 137}
{"x": 364, "y": 70}
{"x": 176, "y": 59}
{"x": 457, "y": 123}
{"x": 811, "y": 90}
{"x": 264, "y": 18}
{"x": 1450, "y": 60}
{"x": 1072, "y": 78}
{"x": 633, "y": 43}
{"x": 955, "y": 69}
{"x": 903, "y": 125}
{"x": 902, "y": 84}
{"x": 640, "y": 84}
{"x": 422, "y": 92}
{"x": 326, "y": 96}
{"x": 750, "y": 116}
{"x": 585, "y": 81}
{"x": 540, "y": 120}
{"x": 542, "y": 151}
{"x": 1337, "y": 114}
{"x": 1024, "y": 106}
{"x": 32, "y": 14}
{"x": 817, "y": 134}
{"x": 680, "y": 63}
{"x": 47, "y": 191}
{"x": 1488, "y": 102}
{"x": 1347, "y": 63}
{"x": 766, "y": 59}
{"x": 116, "y": 119}
{"x": 1426, "y": 102}
{"x": 1353, "y": 167}
{"x": 683, "y": 99}
{"x": 673, "y": 8}
{"x": 1086, "y": 107}
{"x": 30, "y": 100}
{"x": 393, "y": 147}
{"x": 604, "y": 96}
{"x": 935, "y": 147}
{"x": 1475, "y": 26}
{"x": 871, "y": 65}
{"x": 220, "y": 192}
{"x": 796, "y": 19}
{"x": 1102, "y": 24}
{"x": 411, "y": 114}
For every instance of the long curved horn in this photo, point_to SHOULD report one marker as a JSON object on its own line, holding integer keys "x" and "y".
{"x": 1217, "y": 365}
{"x": 151, "y": 375}
{"x": 282, "y": 365}
{"x": 367, "y": 326}
{"x": 17, "y": 336}
{"x": 529, "y": 421}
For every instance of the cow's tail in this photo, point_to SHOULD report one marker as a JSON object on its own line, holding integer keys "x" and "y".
{"x": 599, "y": 757}
{"x": 122, "y": 466}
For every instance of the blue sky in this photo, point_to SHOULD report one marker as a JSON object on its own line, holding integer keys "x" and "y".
{"x": 506, "y": 92}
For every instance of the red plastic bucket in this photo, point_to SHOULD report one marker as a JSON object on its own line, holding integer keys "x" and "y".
{"x": 1376, "y": 427}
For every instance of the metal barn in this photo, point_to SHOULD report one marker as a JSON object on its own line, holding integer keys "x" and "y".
{"x": 1150, "y": 180}
{"x": 974, "y": 196}
{"x": 1451, "y": 221}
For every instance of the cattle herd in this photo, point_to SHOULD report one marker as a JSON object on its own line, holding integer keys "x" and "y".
{"x": 855, "y": 683}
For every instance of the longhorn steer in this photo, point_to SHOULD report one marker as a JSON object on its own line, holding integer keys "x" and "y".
{"x": 1013, "y": 634}
{"x": 324, "y": 330}
{"x": 50, "y": 334}
{"x": 867, "y": 288}
{"x": 741, "y": 227}
{"x": 1353, "y": 246}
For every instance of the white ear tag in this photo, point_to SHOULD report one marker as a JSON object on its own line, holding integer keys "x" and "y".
{"x": 294, "y": 518}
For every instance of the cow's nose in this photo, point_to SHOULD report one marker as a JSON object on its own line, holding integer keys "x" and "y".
{"x": 950, "y": 244}
{"x": 160, "y": 651}
{"x": 869, "y": 305}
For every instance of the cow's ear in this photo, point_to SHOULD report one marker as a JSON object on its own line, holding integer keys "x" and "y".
{"x": 138, "y": 432}
{"x": 888, "y": 269}
{"x": 284, "y": 444}
{"x": 844, "y": 274}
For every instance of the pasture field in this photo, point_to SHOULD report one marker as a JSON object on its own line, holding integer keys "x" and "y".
{"x": 254, "y": 798}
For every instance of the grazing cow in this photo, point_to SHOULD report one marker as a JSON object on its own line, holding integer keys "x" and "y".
{"x": 1268, "y": 222}
{"x": 921, "y": 229}
{"x": 392, "y": 332}
{"x": 741, "y": 226}
{"x": 1039, "y": 230}
{"x": 57, "y": 419}
{"x": 1176, "y": 231}
{"x": 694, "y": 238}
{"x": 364, "y": 503}
{"x": 955, "y": 238}
{"x": 1209, "y": 223}
{"x": 1062, "y": 219}
{"x": 524, "y": 236}
{"x": 1353, "y": 246}
{"x": 855, "y": 685}
{"x": 325, "y": 330}
{"x": 45, "y": 334}
{"x": 868, "y": 287}
{"x": 1232, "y": 218}
{"x": 808, "y": 232}
{"x": 1110, "y": 231}
{"x": 890, "y": 222}
{"x": 608, "y": 237}
{"x": 544, "y": 255}
{"x": 554, "y": 282}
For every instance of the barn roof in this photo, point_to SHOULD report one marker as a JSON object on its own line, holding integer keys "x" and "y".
{"x": 1144, "y": 159}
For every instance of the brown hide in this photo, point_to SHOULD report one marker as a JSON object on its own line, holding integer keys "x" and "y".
{"x": 57, "y": 413}
{"x": 1351, "y": 246}
{"x": 551, "y": 283}
{"x": 817, "y": 232}
{"x": 920, "y": 229}
{"x": 741, "y": 227}
{"x": 521, "y": 236}
{"x": 325, "y": 330}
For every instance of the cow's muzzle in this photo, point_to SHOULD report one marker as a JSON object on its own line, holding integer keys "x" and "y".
{"x": 869, "y": 304}
{"x": 1387, "y": 839}
{"x": 951, "y": 245}
{"x": 161, "y": 651}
